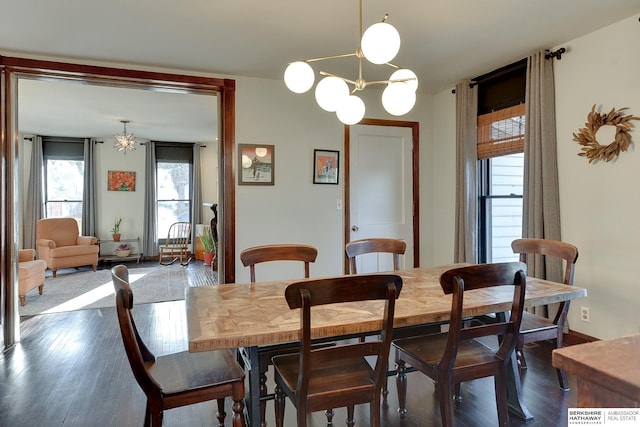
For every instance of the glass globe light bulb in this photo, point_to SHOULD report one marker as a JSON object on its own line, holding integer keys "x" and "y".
{"x": 380, "y": 43}
{"x": 330, "y": 92}
{"x": 246, "y": 161}
{"x": 403, "y": 74}
{"x": 261, "y": 151}
{"x": 351, "y": 111}
{"x": 299, "y": 77}
{"x": 398, "y": 98}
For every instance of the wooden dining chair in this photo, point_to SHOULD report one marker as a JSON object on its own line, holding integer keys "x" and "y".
{"x": 376, "y": 245}
{"x": 178, "y": 379}
{"x": 318, "y": 379}
{"x": 457, "y": 356}
{"x": 283, "y": 252}
{"x": 270, "y": 253}
{"x": 176, "y": 246}
{"x": 537, "y": 328}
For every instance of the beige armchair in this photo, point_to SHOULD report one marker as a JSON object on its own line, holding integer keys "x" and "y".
{"x": 61, "y": 246}
{"x": 30, "y": 273}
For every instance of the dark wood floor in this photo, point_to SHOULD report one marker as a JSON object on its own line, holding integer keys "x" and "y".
{"x": 70, "y": 369}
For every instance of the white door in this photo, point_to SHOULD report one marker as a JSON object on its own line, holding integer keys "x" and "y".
{"x": 381, "y": 190}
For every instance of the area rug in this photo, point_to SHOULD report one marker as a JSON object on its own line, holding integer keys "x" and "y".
{"x": 86, "y": 289}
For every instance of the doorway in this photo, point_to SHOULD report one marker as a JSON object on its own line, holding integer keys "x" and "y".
{"x": 391, "y": 147}
{"x": 13, "y": 69}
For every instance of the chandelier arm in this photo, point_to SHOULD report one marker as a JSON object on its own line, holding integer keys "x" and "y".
{"x": 322, "y": 58}
{"x": 326, "y": 74}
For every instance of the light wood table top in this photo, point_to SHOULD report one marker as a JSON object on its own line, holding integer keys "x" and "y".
{"x": 244, "y": 315}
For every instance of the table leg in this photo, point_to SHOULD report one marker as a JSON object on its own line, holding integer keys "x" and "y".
{"x": 514, "y": 392}
{"x": 248, "y": 357}
{"x": 514, "y": 387}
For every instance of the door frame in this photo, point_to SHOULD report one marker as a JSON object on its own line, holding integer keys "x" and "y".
{"x": 415, "y": 163}
{"x": 12, "y": 68}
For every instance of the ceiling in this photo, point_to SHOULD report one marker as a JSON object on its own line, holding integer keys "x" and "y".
{"x": 443, "y": 41}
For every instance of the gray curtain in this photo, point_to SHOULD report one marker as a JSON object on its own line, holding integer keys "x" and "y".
{"x": 34, "y": 210}
{"x": 150, "y": 242}
{"x": 541, "y": 200}
{"x": 465, "y": 249}
{"x": 196, "y": 199}
{"x": 89, "y": 205}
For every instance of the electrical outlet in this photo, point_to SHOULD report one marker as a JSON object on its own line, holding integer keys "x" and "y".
{"x": 584, "y": 314}
{"x": 339, "y": 204}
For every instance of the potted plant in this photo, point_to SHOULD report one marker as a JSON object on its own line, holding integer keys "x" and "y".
{"x": 115, "y": 231}
{"x": 123, "y": 250}
{"x": 208, "y": 245}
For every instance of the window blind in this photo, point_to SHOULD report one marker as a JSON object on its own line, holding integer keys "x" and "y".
{"x": 501, "y": 132}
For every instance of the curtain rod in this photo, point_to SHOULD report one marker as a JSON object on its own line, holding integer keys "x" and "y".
{"x": 548, "y": 55}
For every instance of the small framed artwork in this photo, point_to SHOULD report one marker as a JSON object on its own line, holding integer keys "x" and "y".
{"x": 256, "y": 164}
{"x": 121, "y": 181}
{"x": 325, "y": 166}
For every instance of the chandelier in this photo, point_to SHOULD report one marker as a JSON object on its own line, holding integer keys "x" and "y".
{"x": 125, "y": 141}
{"x": 379, "y": 44}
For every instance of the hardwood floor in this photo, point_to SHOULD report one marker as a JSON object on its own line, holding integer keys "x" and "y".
{"x": 70, "y": 369}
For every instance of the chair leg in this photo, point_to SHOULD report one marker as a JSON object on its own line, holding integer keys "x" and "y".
{"x": 350, "y": 422}
{"x": 41, "y": 289}
{"x": 500, "y": 382}
{"x": 147, "y": 415}
{"x": 329, "y": 414}
{"x": 23, "y": 300}
{"x": 562, "y": 376}
{"x": 562, "y": 380}
{"x": 279, "y": 406}
{"x": 401, "y": 385}
{"x": 457, "y": 395}
{"x": 238, "y": 412}
{"x": 221, "y": 415}
{"x": 156, "y": 415}
{"x": 445, "y": 397}
{"x": 374, "y": 409}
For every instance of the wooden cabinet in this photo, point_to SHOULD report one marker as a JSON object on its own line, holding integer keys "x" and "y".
{"x": 608, "y": 371}
{"x": 108, "y": 247}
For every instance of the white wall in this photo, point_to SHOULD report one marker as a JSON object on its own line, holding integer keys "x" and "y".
{"x": 295, "y": 210}
{"x": 598, "y": 202}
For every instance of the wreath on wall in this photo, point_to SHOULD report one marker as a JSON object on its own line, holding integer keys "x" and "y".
{"x": 591, "y": 148}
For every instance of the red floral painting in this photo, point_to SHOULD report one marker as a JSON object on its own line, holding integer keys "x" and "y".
{"x": 121, "y": 181}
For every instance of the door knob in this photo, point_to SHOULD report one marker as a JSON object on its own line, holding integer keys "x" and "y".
{"x": 354, "y": 228}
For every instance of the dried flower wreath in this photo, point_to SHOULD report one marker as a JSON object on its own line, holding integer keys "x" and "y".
{"x": 586, "y": 136}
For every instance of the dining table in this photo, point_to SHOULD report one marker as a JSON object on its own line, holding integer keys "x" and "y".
{"x": 253, "y": 315}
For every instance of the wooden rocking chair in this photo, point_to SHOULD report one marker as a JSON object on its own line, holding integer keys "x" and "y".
{"x": 176, "y": 247}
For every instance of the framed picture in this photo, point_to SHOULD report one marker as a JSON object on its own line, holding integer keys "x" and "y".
{"x": 325, "y": 166}
{"x": 121, "y": 181}
{"x": 256, "y": 164}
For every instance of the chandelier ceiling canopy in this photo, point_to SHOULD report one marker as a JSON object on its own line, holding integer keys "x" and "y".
{"x": 379, "y": 44}
{"x": 125, "y": 142}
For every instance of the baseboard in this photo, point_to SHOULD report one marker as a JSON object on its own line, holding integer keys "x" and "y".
{"x": 574, "y": 337}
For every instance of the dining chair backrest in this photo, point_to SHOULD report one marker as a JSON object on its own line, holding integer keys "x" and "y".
{"x": 320, "y": 292}
{"x": 280, "y": 252}
{"x": 396, "y": 247}
{"x": 137, "y": 352}
{"x": 460, "y": 280}
{"x": 566, "y": 252}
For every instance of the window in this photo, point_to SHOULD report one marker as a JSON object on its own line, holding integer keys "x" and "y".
{"x": 64, "y": 177}
{"x": 174, "y": 171}
{"x": 501, "y": 127}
